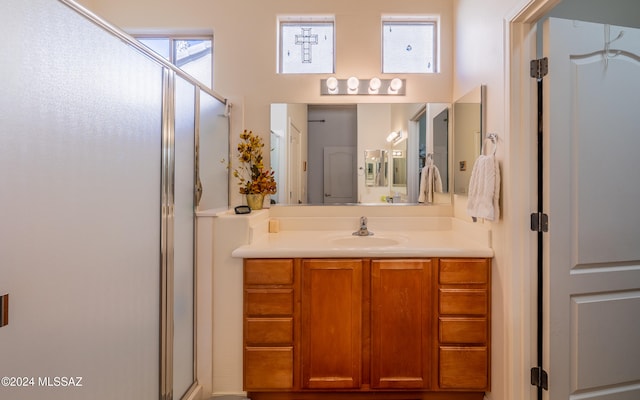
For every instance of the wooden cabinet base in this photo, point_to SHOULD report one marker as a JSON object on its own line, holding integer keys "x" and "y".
{"x": 367, "y": 329}
{"x": 365, "y": 395}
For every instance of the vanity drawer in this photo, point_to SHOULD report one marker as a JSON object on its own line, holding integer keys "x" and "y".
{"x": 463, "y": 301}
{"x": 464, "y": 271}
{"x": 268, "y": 302}
{"x": 269, "y": 331}
{"x": 464, "y": 368}
{"x": 268, "y": 368}
{"x": 463, "y": 330}
{"x": 268, "y": 272}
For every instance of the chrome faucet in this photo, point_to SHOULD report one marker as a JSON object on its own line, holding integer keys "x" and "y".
{"x": 363, "y": 231}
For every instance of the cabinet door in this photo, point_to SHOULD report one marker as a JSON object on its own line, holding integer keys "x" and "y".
{"x": 331, "y": 324}
{"x": 401, "y": 324}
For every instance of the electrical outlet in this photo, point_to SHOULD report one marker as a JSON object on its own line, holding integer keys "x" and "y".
{"x": 4, "y": 310}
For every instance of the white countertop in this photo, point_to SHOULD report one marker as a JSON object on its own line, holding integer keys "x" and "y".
{"x": 326, "y": 244}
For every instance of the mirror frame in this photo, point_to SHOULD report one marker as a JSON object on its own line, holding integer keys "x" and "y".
{"x": 464, "y": 158}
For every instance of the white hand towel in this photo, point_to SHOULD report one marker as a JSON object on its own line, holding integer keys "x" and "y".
{"x": 430, "y": 183}
{"x": 484, "y": 189}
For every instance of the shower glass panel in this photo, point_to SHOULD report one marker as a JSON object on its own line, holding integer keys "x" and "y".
{"x": 214, "y": 153}
{"x": 80, "y": 206}
{"x": 97, "y": 166}
{"x": 183, "y": 307}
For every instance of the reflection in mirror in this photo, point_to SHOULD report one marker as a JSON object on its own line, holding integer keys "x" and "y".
{"x": 318, "y": 152}
{"x": 468, "y": 114}
{"x": 399, "y": 168}
{"x": 375, "y": 168}
{"x": 434, "y": 132}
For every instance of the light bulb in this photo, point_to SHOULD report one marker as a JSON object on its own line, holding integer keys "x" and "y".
{"x": 396, "y": 84}
{"x": 353, "y": 83}
{"x": 374, "y": 85}
{"x": 332, "y": 84}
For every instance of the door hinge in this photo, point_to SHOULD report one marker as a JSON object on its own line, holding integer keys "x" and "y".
{"x": 539, "y": 222}
{"x": 539, "y": 68}
{"x": 539, "y": 378}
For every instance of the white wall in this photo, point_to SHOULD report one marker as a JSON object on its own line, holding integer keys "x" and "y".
{"x": 480, "y": 46}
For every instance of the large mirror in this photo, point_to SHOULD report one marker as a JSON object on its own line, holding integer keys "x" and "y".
{"x": 361, "y": 153}
{"x": 469, "y": 129}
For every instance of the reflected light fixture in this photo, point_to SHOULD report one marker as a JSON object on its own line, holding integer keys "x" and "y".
{"x": 396, "y": 137}
{"x": 393, "y": 136}
{"x": 356, "y": 86}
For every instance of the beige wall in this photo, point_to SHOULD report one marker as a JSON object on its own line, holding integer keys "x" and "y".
{"x": 480, "y": 46}
{"x": 245, "y": 48}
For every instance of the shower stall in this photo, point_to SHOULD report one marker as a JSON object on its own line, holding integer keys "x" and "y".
{"x": 106, "y": 153}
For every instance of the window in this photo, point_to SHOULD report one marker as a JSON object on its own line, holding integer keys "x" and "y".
{"x": 191, "y": 54}
{"x": 306, "y": 45}
{"x": 409, "y": 45}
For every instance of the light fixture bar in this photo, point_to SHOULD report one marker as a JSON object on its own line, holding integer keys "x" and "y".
{"x": 374, "y": 86}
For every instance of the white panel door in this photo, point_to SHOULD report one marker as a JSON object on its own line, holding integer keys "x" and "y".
{"x": 340, "y": 184}
{"x": 592, "y": 250}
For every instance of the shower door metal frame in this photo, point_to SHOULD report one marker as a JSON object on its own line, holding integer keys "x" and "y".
{"x": 170, "y": 72}
{"x": 167, "y": 234}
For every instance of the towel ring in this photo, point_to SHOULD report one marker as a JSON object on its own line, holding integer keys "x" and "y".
{"x": 493, "y": 137}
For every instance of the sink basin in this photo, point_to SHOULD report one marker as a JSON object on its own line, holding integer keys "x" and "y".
{"x": 365, "y": 241}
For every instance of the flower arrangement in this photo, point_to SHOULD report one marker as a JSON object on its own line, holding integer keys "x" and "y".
{"x": 253, "y": 177}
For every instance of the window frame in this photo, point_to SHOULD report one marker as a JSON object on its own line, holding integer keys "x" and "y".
{"x": 303, "y": 20}
{"x": 433, "y": 20}
{"x": 172, "y": 38}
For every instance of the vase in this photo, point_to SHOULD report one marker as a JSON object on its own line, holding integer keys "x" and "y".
{"x": 255, "y": 200}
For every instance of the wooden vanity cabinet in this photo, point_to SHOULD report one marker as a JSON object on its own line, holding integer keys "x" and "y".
{"x": 464, "y": 304}
{"x": 331, "y": 334}
{"x": 401, "y": 315}
{"x": 405, "y": 327}
{"x": 269, "y": 318}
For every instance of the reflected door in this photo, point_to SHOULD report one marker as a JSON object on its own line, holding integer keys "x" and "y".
{"x": 441, "y": 146}
{"x": 295, "y": 165}
{"x": 339, "y": 174}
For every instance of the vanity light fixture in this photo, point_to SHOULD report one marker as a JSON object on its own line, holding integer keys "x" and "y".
{"x": 332, "y": 85}
{"x": 393, "y": 136}
{"x": 374, "y": 85}
{"x": 395, "y": 85}
{"x": 396, "y": 137}
{"x": 403, "y": 136}
{"x": 353, "y": 84}
{"x": 356, "y": 86}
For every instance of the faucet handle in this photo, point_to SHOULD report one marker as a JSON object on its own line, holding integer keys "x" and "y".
{"x": 363, "y": 221}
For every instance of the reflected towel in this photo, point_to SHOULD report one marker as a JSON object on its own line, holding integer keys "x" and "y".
{"x": 430, "y": 183}
{"x": 484, "y": 189}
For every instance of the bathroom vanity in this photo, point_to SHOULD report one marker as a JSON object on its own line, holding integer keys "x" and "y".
{"x": 355, "y": 319}
{"x": 398, "y": 326}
